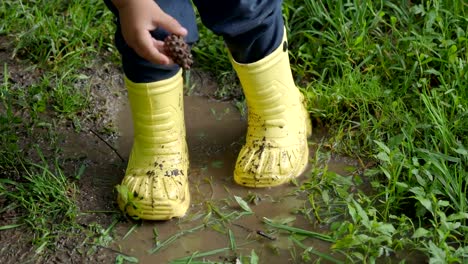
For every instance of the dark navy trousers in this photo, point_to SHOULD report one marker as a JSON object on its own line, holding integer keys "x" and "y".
{"x": 251, "y": 30}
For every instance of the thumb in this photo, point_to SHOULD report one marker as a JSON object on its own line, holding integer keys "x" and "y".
{"x": 171, "y": 25}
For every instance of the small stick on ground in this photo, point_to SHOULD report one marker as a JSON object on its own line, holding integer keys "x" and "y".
{"x": 258, "y": 232}
{"x": 109, "y": 145}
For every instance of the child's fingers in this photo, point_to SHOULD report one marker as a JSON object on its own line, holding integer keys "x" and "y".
{"x": 171, "y": 24}
{"x": 159, "y": 45}
{"x": 147, "y": 47}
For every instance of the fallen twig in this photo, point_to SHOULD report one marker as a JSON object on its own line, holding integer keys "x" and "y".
{"x": 109, "y": 145}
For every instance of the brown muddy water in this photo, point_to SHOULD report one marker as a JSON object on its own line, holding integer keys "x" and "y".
{"x": 215, "y": 132}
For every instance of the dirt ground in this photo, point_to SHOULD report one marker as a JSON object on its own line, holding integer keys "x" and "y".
{"x": 215, "y": 131}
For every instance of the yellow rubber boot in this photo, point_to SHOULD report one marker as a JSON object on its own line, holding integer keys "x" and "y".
{"x": 276, "y": 149}
{"x": 155, "y": 186}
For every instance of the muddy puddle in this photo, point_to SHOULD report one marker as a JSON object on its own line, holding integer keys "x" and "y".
{"x": 215, "y": 223}
{"x": 216, "y": 226}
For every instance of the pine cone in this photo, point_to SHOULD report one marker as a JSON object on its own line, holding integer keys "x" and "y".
{"x": 178, "y": 50}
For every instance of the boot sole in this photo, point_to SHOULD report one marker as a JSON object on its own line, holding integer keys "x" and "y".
{"x": 273, "y": 181}
{"x": 270, "y": 181}
{"x": 157, "y": 210}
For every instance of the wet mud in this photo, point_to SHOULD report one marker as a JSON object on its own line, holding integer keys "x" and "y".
{"x": 215, "y": 133}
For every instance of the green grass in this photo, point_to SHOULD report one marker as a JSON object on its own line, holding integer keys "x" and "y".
{"x": 57, "y": 33}
{"x": 388, "y": 79}
{"x": 54, "y": 43}
{"x": 45, "y": 202}
{"x": 203, "y": 51}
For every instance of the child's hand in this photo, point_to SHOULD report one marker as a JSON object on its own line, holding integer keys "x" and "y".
{"x": 137, "y": 19}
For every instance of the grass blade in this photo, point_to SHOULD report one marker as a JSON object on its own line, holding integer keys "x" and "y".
{"x": 6, "y": 227}
{"x": 299, "y": 231}
{"x": 232, "y": 240}
{"x": 199, "y": 255}
{"x": 174, "y": 238}
{"x": 243, "y": 204}
{"x": 130, "y": 231}
{"x": 316, "y": 252}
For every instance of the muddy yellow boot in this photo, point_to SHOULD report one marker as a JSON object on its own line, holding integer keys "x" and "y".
{"x": 276, "y": 147}
{"x": 155, "y": 186}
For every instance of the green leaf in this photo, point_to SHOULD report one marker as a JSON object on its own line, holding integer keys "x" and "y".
{"x": 232, "y": 240}
{"x": 299, "y": 231}
{"x": 382, "y": 146}
{"x": 253, "y": 257}
{"x": 383, "y": 156}
{"x": 443, "y": 203}
{"x": 325, "y": 197}
{"x": 362, "y": 214}
{"x": 352, "y": 212}
{"x": 243, "y": 204}
{"x": 358, "y": 40}
{"x": 5, "y": 227}
{"x": 190, "y": 259}
{"x": 120, "y": 259}
{"x": 425, "y": 202}
{"x": 419, "y": 191}
{"x": 123, "y": 191}
{"x": 387, "y": 229}
{"x": 284, "y": 220}
{"x": 402, "y": 185}
{"x": 457, "y": 216}
{"x": 461, "y": 151}
{"x": 420, "y": 232}
{"x": 80, "y": 171}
